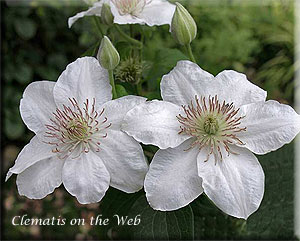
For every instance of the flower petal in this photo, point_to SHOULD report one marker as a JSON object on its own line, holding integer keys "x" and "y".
{"x": 40, "y": 179}
{"x": 37, "y": 105}
{"x": 95, "y": 10}
{"x": 86, "y": 178}
{"x": 83, "y": 79}
{"x": 172, "y": 181}
{"x": 187, "y": 79}
{"x": 155, "y": 123}
{"x": 269, "y": 124}
{"x": 115, "y": 110}
{"x": 125, "y": 161}
{"x": 32, "y": 153}
{"x": 124, "y": 19}
{"x": 235, "y": 184}
{"x": 158, "y": 12}
{"x": 235, "y": 87}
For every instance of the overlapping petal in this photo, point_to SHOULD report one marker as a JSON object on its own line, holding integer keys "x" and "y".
{"x": 269, "y": 125}
{"x": 125, "y": 161}
{"x": 172, "y": 181}
{"x": 155, "y": 123}
{"x": 115, "y": 110}
{"x": 37, "y": 105}
{"x": 40, "y": 179}
{"x": 83, "y": 79}
{"x": 235, "y": 184}
{"x": 86, "y": 178}
{"x": 32, "y": 153}
{"x": 187, "y": 79}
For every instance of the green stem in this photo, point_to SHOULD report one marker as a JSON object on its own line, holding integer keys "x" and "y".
{"x": 98, "y": 26}
{"x": 139, "y": 88}
{"x": 112, "y": 82}
{"x": 190, "y": 53}
{"x": 133, "y": 41}
{"x": 131, "y": 30}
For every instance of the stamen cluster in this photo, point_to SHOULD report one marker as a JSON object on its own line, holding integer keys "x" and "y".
{"x": 213, "y": 124}
{"x": 133, "y": 7}
{"x": 75, "y": 130}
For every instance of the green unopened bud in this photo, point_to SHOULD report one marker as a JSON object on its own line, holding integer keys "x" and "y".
{"x": 183, "y": 27}
{"x": 106, "y": 15}
{"x": 107, "y": 55}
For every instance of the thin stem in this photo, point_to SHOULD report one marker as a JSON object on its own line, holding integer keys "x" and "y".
{"x": 131, "y": 30}
{"x": 98, "y": 26}
{"x": 112, "y": 82}
{"x": 133, "y": 41}
{"x": 190, "y": 53}
{"x": 139, "y": 88}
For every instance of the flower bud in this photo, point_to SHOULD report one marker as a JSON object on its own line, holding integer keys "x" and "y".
{"x": 107, "y": 55}
{"x": 106, "y": 15}
{"x": 183, "y": 26}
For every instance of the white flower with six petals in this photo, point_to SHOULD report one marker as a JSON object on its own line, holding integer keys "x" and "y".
{"x": 78, "y": 140}
{"x": 207, "y": 128}
{"x": 150, "y": 12}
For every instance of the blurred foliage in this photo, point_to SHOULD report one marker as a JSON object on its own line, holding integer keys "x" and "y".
{"x": 257, "y": 40}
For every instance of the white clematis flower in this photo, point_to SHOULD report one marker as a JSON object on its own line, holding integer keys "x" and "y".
{"x": 78, "y": 140}
{"x": 207, "y": 128}
{"x": 150, "y": 12}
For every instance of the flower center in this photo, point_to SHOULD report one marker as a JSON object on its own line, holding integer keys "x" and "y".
{"x": 75, "y": 130}
{"x": 132, "y": 7}
{"x": 213, "y": 124}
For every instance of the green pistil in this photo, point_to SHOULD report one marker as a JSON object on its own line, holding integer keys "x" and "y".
{"x": 211, "y": 125}
{"x": 79, "y": 131}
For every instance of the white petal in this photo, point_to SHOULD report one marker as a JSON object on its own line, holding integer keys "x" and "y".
{"x": 86, "y": 178}
{"x": 95, "y": 10}
{"x": 172, "y": 181}
{"x": 37, "y": 105}
{"x": 83, "y": 79}
{"x": 236, "y": 184}
{"x": 269, "y": 124}
{"x": 40, "y": 179}
{"x": 235, "y": 87}
{"x": 33, "y": 152}
{"x": 115, "y": 110}
{"x": 184, "y": 82}
{"x": 158, "y": 12}
{"x": 187, "y": 80}
{"x": 125, "y": 161}
{"x": 155, "y": 123}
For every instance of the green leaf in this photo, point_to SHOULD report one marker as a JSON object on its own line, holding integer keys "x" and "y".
{"x": 157, "y": 225}
{"x": 92, "y": 51}
{"x": 274, "y": 218}
{"x": 121, "y": 91}
{"x": 120, "y": 203}
{"x": 165, "y": 59}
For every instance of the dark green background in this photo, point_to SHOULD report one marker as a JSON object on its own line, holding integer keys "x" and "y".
{"x": 251, "y": 38}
